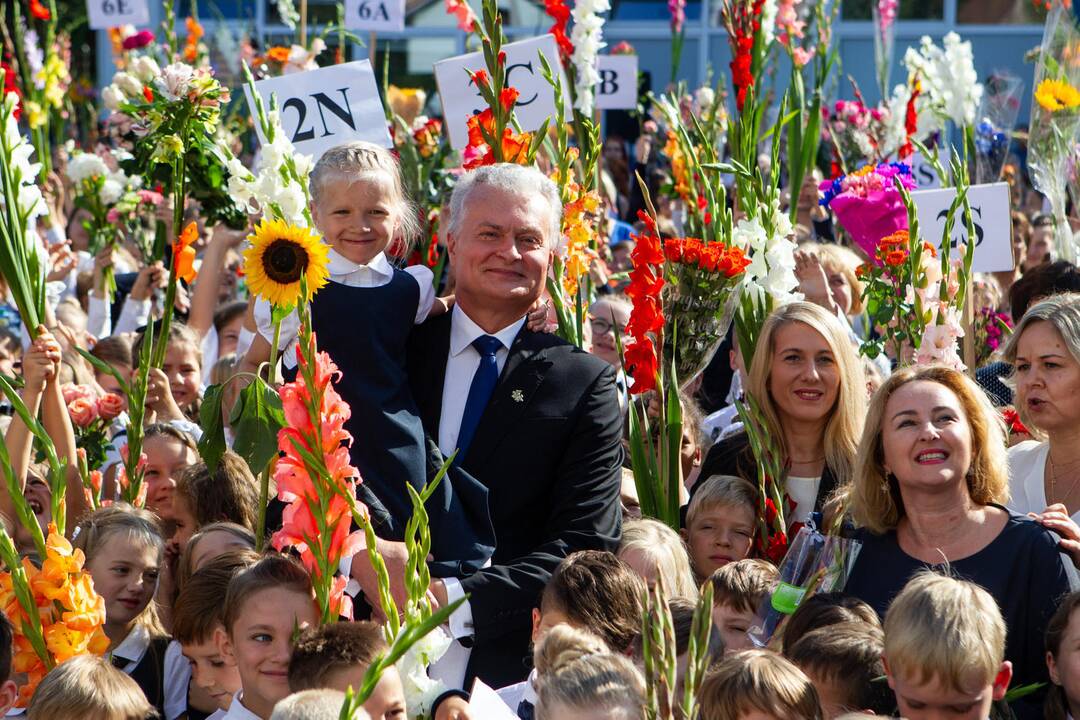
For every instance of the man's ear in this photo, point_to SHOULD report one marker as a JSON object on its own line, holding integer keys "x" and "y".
{"x": 451, "y": 243}
{"x": 224, "y": 646}
{"x": 1002, "y": 680}
{"x": 9, "y": 693}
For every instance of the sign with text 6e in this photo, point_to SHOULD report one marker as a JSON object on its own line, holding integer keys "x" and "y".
{"x": 326, "y": 107}
{"x": 375, "y": 15}
{"x": 104, "y": 14}
{"x": 536, "y": 98}
{"x": 617, "y": 89}
{"x": 990, "y": 218}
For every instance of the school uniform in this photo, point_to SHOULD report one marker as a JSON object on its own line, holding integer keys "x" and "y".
{"x": 237, "y": 711}
{"x": 521, "y": 697}
{"x": 144, "y": 659}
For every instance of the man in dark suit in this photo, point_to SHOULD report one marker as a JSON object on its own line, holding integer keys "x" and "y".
{"x": 535, "y": 420}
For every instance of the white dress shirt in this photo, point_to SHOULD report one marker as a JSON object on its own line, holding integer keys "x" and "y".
{"x": 377, "y": 273}
{"x": 237, "y": 711}
{"x": 461, "y": 364}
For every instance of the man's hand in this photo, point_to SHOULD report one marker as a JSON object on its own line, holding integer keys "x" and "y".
{"x": 453, "y": 708}
{"x": 395, "y": 556}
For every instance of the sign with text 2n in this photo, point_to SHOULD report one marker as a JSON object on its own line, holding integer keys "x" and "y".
{"x": 536, "y": 99}
{"x": 104, "y": 14}
{"x": 375, "y": 15}
{"x": 326, "y": 107}
{"x": 989, "y": 215}
{"x": 617, "y": 89}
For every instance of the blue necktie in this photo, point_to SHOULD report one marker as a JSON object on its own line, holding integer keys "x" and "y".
{"x": 483, "y": 384}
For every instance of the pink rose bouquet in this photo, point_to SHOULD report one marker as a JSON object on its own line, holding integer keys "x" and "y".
{"x": 91, "y": 417}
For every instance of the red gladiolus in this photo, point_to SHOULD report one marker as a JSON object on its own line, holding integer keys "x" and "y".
{"x": 770, "y": 511}
{"x": 642, "y": 364}
{"x": 1014, "y": 423}
{"x": 39, "y": 11}
{"x": 480, "y": 78}
{"x": 148, "y": 93}
{"x": 777, "y": 548}
{"x": 560, "y": 13}
{"x": 911, "y": 122}
{"x": 508, "y": 98}
{"x": 673, "y": 250}
{"x": 742, "y": 76}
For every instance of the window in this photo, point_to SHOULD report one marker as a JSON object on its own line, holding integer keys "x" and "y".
{"x": 999, "y": 12}
{"x": 909, "y": 9}
{"x": 652, "y": 10}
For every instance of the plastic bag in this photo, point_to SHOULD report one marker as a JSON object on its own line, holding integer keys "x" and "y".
{"x": 993, "y": 129}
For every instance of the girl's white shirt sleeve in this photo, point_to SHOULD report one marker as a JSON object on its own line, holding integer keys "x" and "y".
{"x": 426, "y": 280}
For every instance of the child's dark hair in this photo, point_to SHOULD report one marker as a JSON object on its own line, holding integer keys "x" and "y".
{"x": 599, "y": 592}
{"x": 229, "y": 312}
{"x": 5, "y": 649}
{"x": 114, "y": 349}
{"x": 229, "y": 494}
{"x": 1057, "y": 705}
{"x": 849, "y": 656}
{"x": 818, "y": 611}
{"x": 197, "y": 610}
{"x": 273, "y": 571}
{"x": 178, "y": 333}
{"x": 328, "y": 648}
{"x": 743, "y": 584}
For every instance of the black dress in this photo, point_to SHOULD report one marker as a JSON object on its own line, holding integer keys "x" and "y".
{"x": 1021, "y": 568}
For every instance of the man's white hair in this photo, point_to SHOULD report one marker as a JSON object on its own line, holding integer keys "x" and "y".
{"x": 522, "y": 179}
{"x": 321, "y": 704}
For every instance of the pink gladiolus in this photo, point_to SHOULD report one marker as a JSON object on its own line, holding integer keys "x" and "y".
{"x": 801, "y": 56}
{"x": 677, "y": 8}
{"x": 463, "y": 12}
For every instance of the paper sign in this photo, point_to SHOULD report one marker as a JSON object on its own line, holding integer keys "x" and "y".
{"x": 105, "y": 14}
{"x": 536, "y": 98}
{"x": 617, "y": 89}
{"x": 485, "y": 703}
{"x": 375, "y": 15}
{"x": 326, "y": 107}
{"x": 925, "y": 176}
{"x": 989, "y": 214}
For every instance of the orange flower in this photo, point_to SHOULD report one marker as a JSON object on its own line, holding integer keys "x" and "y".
{"x": 508, "y": 98}
{"x": 895, "y": 257}
{"x": 194, "y": 34}
{"x": 39, "y": 11}
{"x": 278, "y": 54}
{"x": 930, "y": 249}
{"x": 184, "y": 254}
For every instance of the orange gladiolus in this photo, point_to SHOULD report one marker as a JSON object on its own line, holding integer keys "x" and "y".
{"x": 278, "y": 54}
{"x": 184, "y": 254}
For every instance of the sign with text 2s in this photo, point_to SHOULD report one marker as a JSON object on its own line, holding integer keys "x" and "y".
{"x": 617, "y": 89}
{"x": 375, "y": 15}
{"x": 104, "y": 14}
{"x": 990, "y": 217}
{"x": 536, "y": 99}
{"x": 326, "y": 107}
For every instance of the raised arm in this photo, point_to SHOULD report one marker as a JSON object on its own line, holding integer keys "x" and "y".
{"x": 204, "y": 299}
{"x": 57, "y": 423}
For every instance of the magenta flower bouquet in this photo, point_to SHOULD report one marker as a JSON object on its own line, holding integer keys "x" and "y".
{"x": 867, "y": 204}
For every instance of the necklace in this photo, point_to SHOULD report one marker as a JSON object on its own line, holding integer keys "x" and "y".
{"x": 1053, "y": 482}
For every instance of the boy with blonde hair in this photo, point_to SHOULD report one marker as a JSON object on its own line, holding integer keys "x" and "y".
{"x": 945, "y": 649}
{"x": 738, "y": 589}
{"x": 720, "y": 523}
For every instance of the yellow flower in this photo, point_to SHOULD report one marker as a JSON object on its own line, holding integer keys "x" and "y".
{"x": 35, "y": 114}
{"x": 678, "y": 165}
{"x": 281, "y": 254}
{"x": 1054, "y": 95}
{"x": 579, "y": 225}
{"x": 406, "y": 102}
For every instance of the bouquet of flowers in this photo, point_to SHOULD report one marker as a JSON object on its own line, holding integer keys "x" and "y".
{"x": 856, "y": 131}
{"x": 97, "y": 190}
{"x": 868, "y": 203}
{"x": 950, "y": 87}
{"x": 771, "y": 539}
{"x": 136, "y": 213}
{"x": 991, "y": 329}
{"x": 996, "y": 119}
{"x": 815, "y": 563}
{"x": 91, "y": 416}
{"x": 1055, "y": 119}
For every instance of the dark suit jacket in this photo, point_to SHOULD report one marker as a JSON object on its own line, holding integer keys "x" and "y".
{"x": 549, "y": 451}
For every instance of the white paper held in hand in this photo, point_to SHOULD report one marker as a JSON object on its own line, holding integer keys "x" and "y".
{"x": 326, "y": 107}
{"x": 104, "y": 14}
{"x": 617, "y": 89}
{"x": 485, "y": 703}
{"x": 536, "y": 98}
{"x": 990, "y": 217}
{"x": 375, "y": 15}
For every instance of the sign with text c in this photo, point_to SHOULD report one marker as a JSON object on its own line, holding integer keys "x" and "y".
{"x": 990, "y": 217}
{"x": 105, "y": 14}
{"x": 375, "y": 15}
{"x": 617, "y": 89}
{"x": 326, "y": 107}
{"x": 536, "y": 98}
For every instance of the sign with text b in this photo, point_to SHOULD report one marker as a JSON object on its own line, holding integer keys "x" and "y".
{"x": 105, "y": 14}
{"x": 617, "y": 89}
{"x": 536, "y": 98}
{"x": 926, "y": 178}
{"x": 326, "y": 107}
{"x": 989, "y": 215}
{"x": 375, "y": 15}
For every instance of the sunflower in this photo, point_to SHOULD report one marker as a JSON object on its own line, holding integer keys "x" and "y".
{"x": 1054, "y": 95}
{"x": 280, "y": 255}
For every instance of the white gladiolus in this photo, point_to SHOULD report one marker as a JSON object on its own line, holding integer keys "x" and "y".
{"x": 768, "y": 21}
{"x": 28, "y": 196}
{"x": 772, "y": 257}
{"x": 588, "y": 39}
{"x": 145, "y": 69}
{"x": 85, "y": 166}
{"x": 112, "y": 96}
{"x": 951, "y": 89}
{"x": 420, "y": 689}
{"x": 131, "y": 87}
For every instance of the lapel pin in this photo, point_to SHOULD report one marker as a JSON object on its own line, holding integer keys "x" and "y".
{"x": 517, "y": 396}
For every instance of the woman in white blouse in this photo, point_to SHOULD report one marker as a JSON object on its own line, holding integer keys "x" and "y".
{"x": 1044, "y": 475}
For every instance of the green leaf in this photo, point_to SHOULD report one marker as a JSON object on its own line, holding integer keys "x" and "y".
{"x": 212, "y": 443}
{"x": 103, "y": 367}
{"x": 256, "y": 419}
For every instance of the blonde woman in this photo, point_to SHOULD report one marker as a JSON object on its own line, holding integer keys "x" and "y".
{"x": 928, "y": 493}
{"x": 654, "y": 550}
{"x": 809, "y": 382}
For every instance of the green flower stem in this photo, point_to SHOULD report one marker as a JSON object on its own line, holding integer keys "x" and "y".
{"x": 158, "y": 358}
